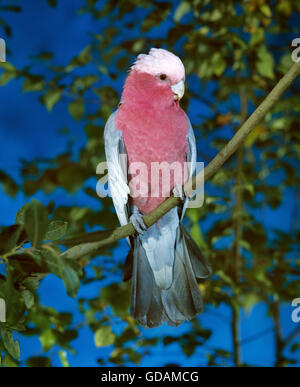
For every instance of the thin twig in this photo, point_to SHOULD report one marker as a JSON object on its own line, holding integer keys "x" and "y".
{"x": 257, "y": 336}
{"x": 291, "y": 336}
{"x": 278, "y": 334}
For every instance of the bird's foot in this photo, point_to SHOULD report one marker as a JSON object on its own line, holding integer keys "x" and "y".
{"x": 137, "y": 221}
{"x": 178, "y": 192}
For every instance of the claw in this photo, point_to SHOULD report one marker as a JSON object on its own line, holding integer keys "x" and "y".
{"x": 137, "y": 221}
{"x": 178, "y": 192}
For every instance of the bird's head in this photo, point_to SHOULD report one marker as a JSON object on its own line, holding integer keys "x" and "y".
{"x": 162, "y": 71}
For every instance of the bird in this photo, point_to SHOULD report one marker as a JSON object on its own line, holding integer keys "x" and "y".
{"x": 149, "y": 128}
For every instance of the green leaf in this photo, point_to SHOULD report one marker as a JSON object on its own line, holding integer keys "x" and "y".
{"x": 197, "y": 235}
{"x": 38, "y": 361}
{"x": 63, "y": 358}
{"x": 19, "y": 219}
{"x": 81, "y": 60}
{"x": 76, "y": 109}
{"x": 70, "y": 277}
{"x": 53, "y": 261}
{"x": 56, "y": 230}
{"x": 8, "y": 184}
{"x": 123, "y": 63}
{"x": 9, "y": 73}
{"x": 47, "y": 339}
{"x": 133, "y": 355}
{"x": 25, "y": 264}
{"x": 64, "y": 338}
{"x": 67, "y": 270}
{"x": 92, "y": 131}
{"x": 266, "y": 10}
{"x": 158, "y": 15}
{"x": 118, "y": 297}
{"x": 128, "y": 334}
{"x": 265, "y": 63}
{"x": 51, "y": 98}
{"x": 28, "y": 298}
{"x": 71, "y": 177}
{"x": 87, "y": 237}
{"x": 226, "y": 278}
{"x": 10, "y": 345}
{"x": 84, "y": 82}
{"x": 285, "y": 64}
{"x": 9, "y": 238}
{"x": 104, "y": 337}
{"x": 215, "y": 15}
{"x": 36, "y": 222}
{"x": 188, "y": 347}
{"x": 219, "y": 64}
{"x": 8, "y": 361}
{"x": 33, "y": 83}
{"x": 32, "y": 282}
{"x": 257, "y": 37}
{"x": 249, "y": 300}
{"x": 183, "y": 8}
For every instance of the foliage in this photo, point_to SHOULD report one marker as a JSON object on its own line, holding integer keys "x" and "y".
{"x": 236, "y": 49}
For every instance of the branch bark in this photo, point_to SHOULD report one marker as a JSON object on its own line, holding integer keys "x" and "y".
{"x": 79, "y": 251}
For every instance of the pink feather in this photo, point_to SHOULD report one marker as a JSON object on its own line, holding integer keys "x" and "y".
{"x": 154, "y": 126}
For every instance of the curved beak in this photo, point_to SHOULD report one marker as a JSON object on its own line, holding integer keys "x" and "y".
{"x": 178, "y": 90}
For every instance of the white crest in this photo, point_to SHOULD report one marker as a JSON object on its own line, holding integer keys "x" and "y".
{"x": 160, "y": 61}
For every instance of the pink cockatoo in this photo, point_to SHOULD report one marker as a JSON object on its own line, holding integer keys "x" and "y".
{"x": 150, "y": 127}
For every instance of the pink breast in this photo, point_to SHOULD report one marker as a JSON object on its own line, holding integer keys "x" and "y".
{"x": 152, "y": 135}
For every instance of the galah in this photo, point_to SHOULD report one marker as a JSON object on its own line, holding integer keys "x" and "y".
{"x": 149, "y": 127}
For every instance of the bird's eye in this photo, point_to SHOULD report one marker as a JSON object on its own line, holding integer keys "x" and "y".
{"x": 163, "y": 77}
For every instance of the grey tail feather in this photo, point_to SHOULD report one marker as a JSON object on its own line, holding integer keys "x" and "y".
{"x": 150, "y": 305}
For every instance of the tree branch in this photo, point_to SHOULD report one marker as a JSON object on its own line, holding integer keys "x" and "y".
{"x": 77, "y": 252}
{"x": 291, "y": 336}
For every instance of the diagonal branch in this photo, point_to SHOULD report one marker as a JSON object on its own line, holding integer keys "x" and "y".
{"x": 149, "y": 219}
{"x": 291, "y": 337}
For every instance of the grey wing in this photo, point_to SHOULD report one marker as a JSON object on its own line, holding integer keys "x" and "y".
{"x": 117, "y": 168}
{"x": 191, "y": 158}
